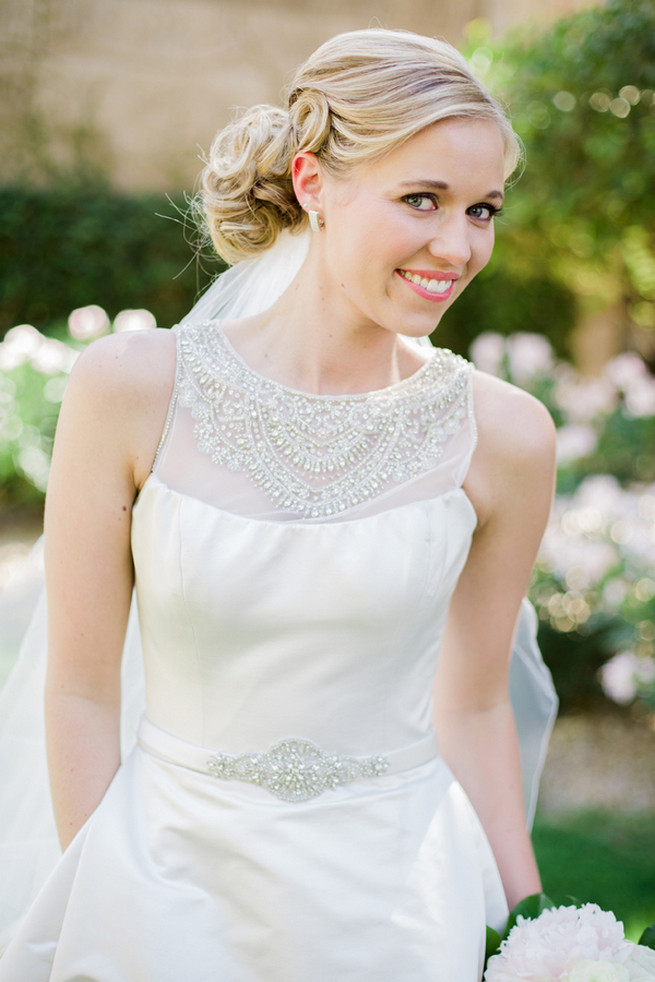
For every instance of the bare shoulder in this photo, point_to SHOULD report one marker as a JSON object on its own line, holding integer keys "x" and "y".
{"x": 137, "y": 362}
{"x": 120, "y": 388}
{"x": 515, "y": 455}
{"x": 510, "y": 418}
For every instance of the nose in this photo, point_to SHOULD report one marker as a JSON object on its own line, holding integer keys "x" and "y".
{"x": 451, "y": 241}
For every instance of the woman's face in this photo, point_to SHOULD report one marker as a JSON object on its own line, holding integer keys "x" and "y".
{"x": 405, "y": 235}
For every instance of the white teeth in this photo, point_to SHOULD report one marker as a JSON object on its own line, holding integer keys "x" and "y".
{"x": 434, "y": 286}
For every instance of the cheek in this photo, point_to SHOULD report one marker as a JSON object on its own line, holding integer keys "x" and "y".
{"x": 367, "y": 243}
{"x": 483, "y": 251}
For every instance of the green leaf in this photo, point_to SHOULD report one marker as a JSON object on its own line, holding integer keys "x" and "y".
{"x": 647, "y": 938}
{"x": 492, "y": 944}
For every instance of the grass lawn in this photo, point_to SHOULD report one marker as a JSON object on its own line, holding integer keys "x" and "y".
{"x": 601, "y": 857}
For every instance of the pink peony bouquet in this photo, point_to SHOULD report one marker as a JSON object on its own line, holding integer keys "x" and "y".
{"x": 570, "y": 944}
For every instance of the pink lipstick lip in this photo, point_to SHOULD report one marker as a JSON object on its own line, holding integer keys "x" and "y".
{"x": 425, "y": 294}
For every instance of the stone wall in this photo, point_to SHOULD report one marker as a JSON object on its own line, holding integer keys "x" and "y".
{"x": 138, "y": 87}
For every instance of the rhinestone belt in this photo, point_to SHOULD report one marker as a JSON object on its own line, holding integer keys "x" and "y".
{"x": 296, "y": 770}
{"x": 292, "y": 770}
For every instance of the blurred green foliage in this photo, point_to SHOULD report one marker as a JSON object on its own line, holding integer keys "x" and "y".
{"x": 582, "y": 216}
{"x": 504, "y": 300}
{"x": 27, "y": 429}
{"x": 33, "y": 374}
{"x": 603, "y": 858}
{"x": 626, "y": 449}
{"x": 76, "y": 244}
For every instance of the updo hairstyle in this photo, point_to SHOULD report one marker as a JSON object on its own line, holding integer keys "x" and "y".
{"x": 359, "y": 96}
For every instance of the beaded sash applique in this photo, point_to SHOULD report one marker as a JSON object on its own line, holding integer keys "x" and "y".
{"x": 318, "y": 455}
{"x": 296, "y": 770}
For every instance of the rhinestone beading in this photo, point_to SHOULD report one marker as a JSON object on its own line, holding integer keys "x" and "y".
{"x": 318, "y": 455}
{"x": 296, "y": 770}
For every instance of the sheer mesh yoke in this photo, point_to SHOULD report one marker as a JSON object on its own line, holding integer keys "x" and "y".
{"x": 256, "y": 448}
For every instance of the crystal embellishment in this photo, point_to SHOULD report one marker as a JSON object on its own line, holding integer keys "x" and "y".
{"x": 296, "y": 770}
{"x": 318, "y": 455}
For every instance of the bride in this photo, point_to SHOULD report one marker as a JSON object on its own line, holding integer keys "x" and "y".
{"x": 329, "y": 526}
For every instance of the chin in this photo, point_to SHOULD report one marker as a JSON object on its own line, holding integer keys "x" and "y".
{"x": 413, "y": 330}
{"x": 422, "y": 332}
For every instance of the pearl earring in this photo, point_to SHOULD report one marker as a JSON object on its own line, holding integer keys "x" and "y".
{"x": 316, "y": 223}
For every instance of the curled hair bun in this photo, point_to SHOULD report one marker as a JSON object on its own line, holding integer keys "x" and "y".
{"x": 247, "y": 192}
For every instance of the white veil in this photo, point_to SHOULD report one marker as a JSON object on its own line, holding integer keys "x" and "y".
{"x": 254, "y": 284}
{"x": 28, "y": 841}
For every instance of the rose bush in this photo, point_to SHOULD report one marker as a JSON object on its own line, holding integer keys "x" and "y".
{"x": 33, "y": 373}
{"x": 594, "y": 583}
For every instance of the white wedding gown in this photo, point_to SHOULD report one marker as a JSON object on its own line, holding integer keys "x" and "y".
{"x": 294, "y": 558}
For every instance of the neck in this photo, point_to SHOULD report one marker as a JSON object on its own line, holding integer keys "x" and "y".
{"x": 312, "y": 340}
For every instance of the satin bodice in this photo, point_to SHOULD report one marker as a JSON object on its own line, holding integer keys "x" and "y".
{"x": 257, "y": 630}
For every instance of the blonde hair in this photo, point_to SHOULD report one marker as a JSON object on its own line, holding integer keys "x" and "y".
{"x": 359, "y": 96}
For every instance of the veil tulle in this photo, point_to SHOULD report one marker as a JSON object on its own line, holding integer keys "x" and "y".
{"x": 253, "y": 285}
{"x": 29, "y": 847}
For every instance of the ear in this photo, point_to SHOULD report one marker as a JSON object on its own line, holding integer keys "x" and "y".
{"x": 307, "y": 180}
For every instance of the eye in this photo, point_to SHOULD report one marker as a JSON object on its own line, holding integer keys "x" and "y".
{"x": 484, "y": 212}
{"x": 421, "y": 202}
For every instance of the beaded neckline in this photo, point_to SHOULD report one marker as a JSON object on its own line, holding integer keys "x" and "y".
{"x": 311, "y": 454}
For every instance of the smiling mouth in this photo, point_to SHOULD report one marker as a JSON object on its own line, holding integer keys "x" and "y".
{"x": 437, "y": 288}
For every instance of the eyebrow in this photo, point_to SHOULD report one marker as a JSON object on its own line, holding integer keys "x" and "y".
{"x": 443, "y": 186}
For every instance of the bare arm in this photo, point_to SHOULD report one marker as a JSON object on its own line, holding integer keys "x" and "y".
{"x": 510, "y": 484}
{"x": 107, "y": 435}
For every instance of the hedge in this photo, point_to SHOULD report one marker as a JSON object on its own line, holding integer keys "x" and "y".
{"x": 69, "y": 246}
